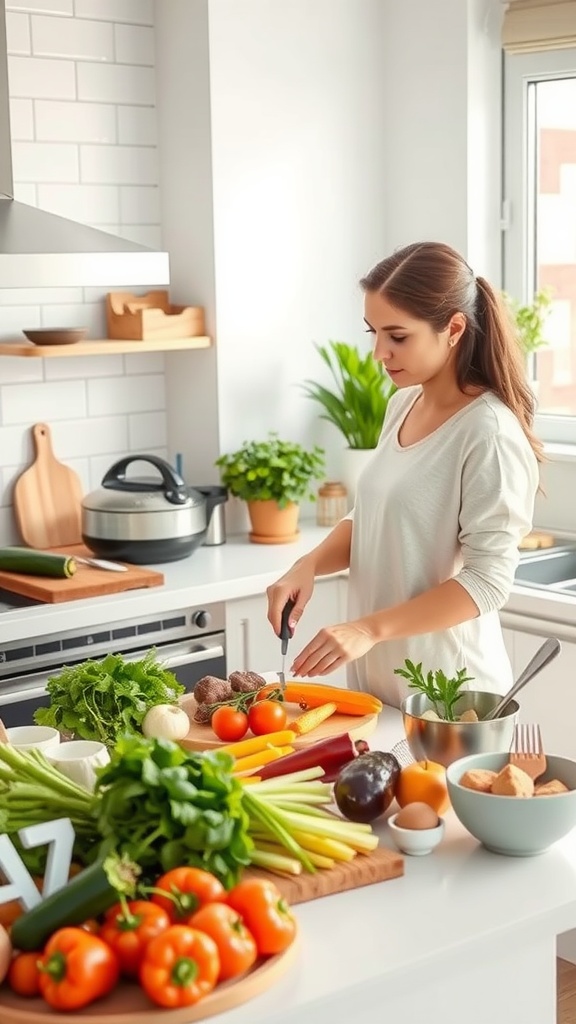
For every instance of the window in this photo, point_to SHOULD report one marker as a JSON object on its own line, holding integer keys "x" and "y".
{"x": 540, "y": 236}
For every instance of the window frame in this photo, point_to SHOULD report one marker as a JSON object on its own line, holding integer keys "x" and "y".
{"x": 520, "y": 71}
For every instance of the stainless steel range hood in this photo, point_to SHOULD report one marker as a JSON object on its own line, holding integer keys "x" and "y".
{"x": 41, "y": 250}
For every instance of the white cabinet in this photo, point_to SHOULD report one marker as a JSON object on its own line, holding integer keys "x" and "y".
{"x": 251, "y": 643}
{"x": 550, "y": 698}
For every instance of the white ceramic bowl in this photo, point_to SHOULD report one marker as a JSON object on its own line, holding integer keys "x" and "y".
{"x": 416, "y": 841}
{"x": 39, "y": 737}
{"x": 515, "y": 826}
{"x": 78, "y": 760}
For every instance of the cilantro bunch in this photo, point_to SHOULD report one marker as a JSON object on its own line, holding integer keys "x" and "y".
{"x": 443, "y": 693}
{"x": 101, "y": 700}
{"x": 163, "y": 806}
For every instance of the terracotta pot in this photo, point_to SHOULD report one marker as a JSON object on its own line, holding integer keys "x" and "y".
{"x": 271, "y": 524}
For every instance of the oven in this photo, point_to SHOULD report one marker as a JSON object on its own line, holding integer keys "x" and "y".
{"x": 190, "y": 642}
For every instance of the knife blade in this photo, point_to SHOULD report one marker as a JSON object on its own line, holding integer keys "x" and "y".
{"x": 285, "y": 635}
{"x": 100, "y": 563}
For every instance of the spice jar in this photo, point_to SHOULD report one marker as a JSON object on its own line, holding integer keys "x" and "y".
{"x": 332, "y": 503}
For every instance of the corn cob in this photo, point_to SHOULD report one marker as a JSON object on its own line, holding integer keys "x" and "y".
{"x": 312, "y": 719}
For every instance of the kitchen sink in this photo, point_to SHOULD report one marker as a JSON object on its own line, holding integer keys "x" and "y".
{"x": 553, "y": 568}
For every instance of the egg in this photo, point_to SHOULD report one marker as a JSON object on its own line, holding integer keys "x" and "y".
{"x": 417, "y": 815}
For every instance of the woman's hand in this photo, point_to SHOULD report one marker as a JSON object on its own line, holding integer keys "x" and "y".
{"x": 298, "y": 585}
{"x": 333, "y": 647}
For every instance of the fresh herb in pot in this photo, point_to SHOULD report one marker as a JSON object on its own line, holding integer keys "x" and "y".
{"x": 101, "y": 700}
{"x": 443, "y": 693}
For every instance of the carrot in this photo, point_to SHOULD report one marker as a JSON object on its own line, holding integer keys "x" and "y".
{"x": 312, "y": 695}
{"x": 312, "y": 719}
{"x": 257, "y": 743}
{"x": 256, "y": 761}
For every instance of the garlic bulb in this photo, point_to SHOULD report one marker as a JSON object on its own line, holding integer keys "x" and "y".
{"x": 166, "y": 722}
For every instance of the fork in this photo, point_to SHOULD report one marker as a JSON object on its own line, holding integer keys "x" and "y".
{"x": 527, "y": 751}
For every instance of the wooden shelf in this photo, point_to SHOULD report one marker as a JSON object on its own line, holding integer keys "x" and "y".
{"x": 102, "y": 347}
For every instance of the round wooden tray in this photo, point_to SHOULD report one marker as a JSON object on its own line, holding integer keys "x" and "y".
{"x": 128, "y": 1004}
{"x": 360, "y": 727}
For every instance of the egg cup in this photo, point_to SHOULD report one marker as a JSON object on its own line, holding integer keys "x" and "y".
{"x": 416, "y": 842}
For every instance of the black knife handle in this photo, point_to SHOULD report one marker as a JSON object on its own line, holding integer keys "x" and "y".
{"x": 285, "y": 631}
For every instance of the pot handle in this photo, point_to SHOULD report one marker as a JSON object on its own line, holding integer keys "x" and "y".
{"x": 172, "y": 484}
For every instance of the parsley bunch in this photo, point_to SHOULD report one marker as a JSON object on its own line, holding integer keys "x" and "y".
{"x": 101, "y": 700}
{"x": 443, "y": 693}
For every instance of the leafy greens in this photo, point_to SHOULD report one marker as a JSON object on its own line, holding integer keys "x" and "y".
{"x": 443, "y": 693}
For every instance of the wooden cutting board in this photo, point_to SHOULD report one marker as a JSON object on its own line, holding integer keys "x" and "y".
{"x": 365, "y": 869}
{"x": 86, "y": 582}
{"x": 359, "y": 727}
{"x": 48, "y": 498}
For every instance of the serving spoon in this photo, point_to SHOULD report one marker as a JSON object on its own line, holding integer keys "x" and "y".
{"x": 544, "y": 655}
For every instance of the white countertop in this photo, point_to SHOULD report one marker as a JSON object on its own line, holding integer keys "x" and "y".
{"x": 232, "y": 570}
{"x": 455, "y": 904}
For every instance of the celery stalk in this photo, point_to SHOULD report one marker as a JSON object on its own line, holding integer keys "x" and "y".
{"x": 275, "y": 861}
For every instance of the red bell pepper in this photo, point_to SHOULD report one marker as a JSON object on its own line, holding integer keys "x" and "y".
{"x": 330, "y": 754}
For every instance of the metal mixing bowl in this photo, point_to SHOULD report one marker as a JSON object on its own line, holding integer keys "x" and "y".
{"x": 446, "y": 742}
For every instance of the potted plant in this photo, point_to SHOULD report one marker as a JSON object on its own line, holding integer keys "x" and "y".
{"x": 530, "y": 320}
{"x": 272, "y": 477}
{"x": 356, "y": 406}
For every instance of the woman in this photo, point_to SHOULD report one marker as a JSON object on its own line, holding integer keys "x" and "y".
{"x": 432, "y": 541}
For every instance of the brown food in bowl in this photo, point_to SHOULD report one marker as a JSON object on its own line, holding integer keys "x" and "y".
{"x": 512, "y": 781}
{"x": 551, "y": 788}
{"x": 480, "y": 779}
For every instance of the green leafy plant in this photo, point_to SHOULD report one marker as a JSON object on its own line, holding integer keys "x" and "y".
{"x": 530, "y": 320}
{"x": 443, "y": 693}
{"x": 363, "y": 389}
{"x": 272, "y": 470}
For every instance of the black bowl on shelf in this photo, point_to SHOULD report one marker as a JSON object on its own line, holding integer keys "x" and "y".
{"x": 56, "y": 335}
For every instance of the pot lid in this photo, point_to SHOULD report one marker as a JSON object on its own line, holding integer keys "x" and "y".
{"x": 149, "y": 502}
{"x": 146, "y": 495}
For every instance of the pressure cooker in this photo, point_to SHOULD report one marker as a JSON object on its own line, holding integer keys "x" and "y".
{"x": 141, "y": 519}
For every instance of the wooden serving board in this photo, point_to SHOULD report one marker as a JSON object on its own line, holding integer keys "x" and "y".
{"x": 128, "y": 1004}
{"x": 86, "y": 582}
{"x": 48, "y": 497}
{"x": 365, "y": 869}
{"x": 359, "y": 727}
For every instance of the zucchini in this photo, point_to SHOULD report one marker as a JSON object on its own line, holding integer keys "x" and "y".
{"x": 89, "y": 894}
{"x": 36, "y": 563}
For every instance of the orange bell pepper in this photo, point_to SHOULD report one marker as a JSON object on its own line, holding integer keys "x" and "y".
{"x": 75, "y": 969}
{"x": 179, "y": 967}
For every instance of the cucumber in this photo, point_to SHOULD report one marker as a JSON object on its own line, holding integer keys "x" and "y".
{"x": 36, "y": 563}
{"x": 89, "y": 894}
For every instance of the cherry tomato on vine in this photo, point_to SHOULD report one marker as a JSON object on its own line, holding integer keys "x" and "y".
{"x": 229, "y": 725}
{"x": 267, "y": 716}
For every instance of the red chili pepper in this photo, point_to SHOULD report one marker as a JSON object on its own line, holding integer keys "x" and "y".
{"x": 330, "y": 754}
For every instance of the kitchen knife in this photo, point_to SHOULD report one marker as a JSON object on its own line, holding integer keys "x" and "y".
{"x": 100, "y": 563}
{"x": 285, "y": 635}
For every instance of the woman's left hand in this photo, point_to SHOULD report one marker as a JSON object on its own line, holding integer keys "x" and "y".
{"x": 333, "y": 647}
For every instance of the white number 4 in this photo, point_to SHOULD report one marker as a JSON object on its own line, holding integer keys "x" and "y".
{"x": 58, "y": 835}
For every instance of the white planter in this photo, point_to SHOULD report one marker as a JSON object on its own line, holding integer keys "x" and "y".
{"x": 353, "y": 462}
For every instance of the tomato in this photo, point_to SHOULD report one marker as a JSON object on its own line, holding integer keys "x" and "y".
{"x": 265, "y": 913}
{"x": 75, "y": 969}
{"x": 23, "y": 974}
{"x": 236, "y": 945}
{"x": 182, "y": 891}
{"x": 229, "y": 725}
{"x": 267, "y": 716}
{"x": 179, "y": 967}
{"x": 128, "y": 929}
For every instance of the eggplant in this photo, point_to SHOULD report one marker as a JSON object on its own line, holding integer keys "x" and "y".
{"x": 366, "y": 786}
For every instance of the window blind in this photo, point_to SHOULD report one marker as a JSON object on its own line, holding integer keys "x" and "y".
{"x": 531, "y": 25}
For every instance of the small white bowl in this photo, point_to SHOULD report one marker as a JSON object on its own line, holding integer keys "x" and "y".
{"x": 416, "y": 841}
{"x": 38, "y": 737}
{"x": 78, "y": 760}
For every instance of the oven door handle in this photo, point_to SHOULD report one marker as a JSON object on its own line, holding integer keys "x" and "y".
{"x": 193, "y": 657}
{"x": 22, "y": 695}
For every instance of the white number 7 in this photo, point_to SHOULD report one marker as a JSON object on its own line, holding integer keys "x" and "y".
{"x": 58, "y": 835}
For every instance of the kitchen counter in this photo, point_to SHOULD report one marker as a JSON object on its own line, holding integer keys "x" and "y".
{"x": 236, "y": 569}
{"x": 465, "y": 935}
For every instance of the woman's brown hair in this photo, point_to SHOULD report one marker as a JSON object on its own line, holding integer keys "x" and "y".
{"x": 431, "y": 281}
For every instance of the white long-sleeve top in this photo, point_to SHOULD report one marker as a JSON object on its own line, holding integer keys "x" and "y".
{"x": 454, "y": 505}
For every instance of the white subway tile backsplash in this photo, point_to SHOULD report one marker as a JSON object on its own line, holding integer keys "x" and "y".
{"x": 25, "y": 192}
{"x": 126, "y": 165}
{"x": 41, "y": 6}
{"x": 90, "y": 204}
{"x": 137, "y": 12}
{"x": 143, "y": 234}
{"x": 115, "y": 83}
{"x": 19, "y": 371}
{"x": 39, "y": 77}
{"x": 38, "y": 296}
{"x": 134, "y": 45}
{"x": 16, "y": 445}
{"x": 21, "y": 119}
{"x": 147, "y": 430}
{"x": 45, "y": 161}
{"x": 126, "y": 394}
{"x": 140, "y": 205}
{"x": 32, "y": 403}
{"x": 17, "y": 33}
{"x": 144, "y": 362}
{"x": 137, "y": 126}
{"x": 13, "y": 319}
{"x": 89, "y": 366}
{"x": 75, "y": 122}
{"x": 83, "y": 315}
{"x": 72, "y": 38}
{"x": 90, "y": 436}
{"x": 8, "y": 530}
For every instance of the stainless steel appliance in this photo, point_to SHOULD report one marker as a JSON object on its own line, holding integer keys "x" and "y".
{"x": 190, "y": 642}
